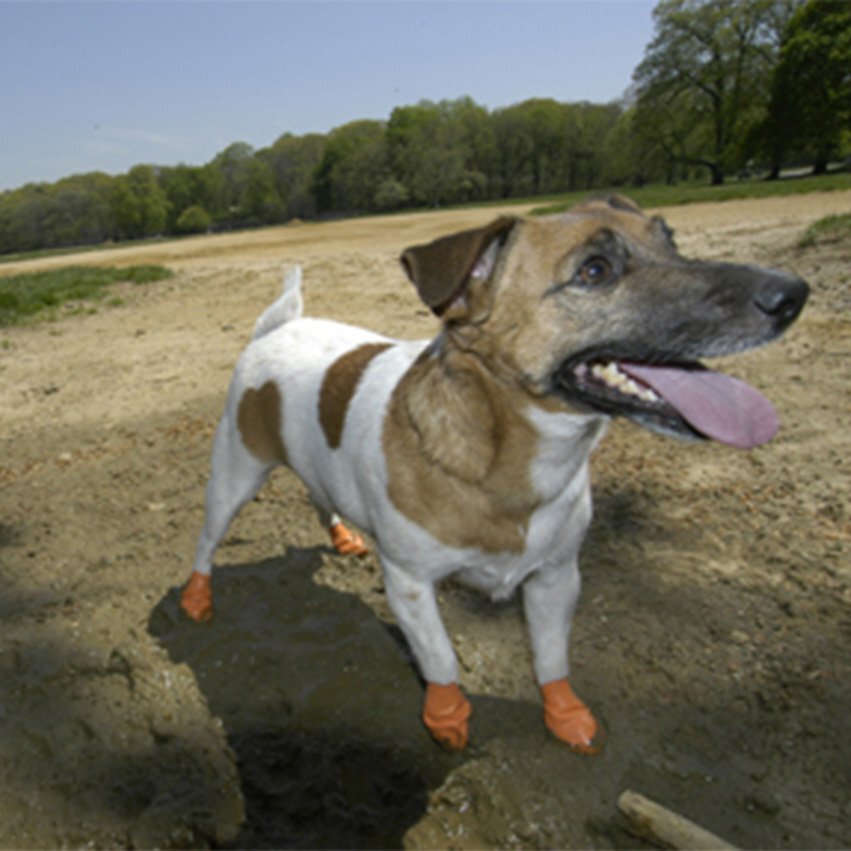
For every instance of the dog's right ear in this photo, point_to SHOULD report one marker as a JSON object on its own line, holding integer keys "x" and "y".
{"x": 442, "y": 270}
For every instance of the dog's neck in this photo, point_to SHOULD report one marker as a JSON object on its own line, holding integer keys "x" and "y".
{"x": 484, "y": 428}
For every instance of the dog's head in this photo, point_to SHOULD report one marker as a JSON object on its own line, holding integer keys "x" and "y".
{"x": 597, "y": 308}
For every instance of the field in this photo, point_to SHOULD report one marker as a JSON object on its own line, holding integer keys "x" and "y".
{"x": 712, "y": 636}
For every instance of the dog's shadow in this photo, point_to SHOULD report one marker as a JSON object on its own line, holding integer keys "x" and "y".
{"x": 320, "y": 704}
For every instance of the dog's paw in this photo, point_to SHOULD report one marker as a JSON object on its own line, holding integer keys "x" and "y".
{"x": 445, "y": 714}
{"x": 569, "y": 719}
{"x": 197, "y": 598}
{"x": 346, "y": 542}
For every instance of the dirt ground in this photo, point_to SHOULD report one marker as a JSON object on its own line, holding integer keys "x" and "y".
{"x": 712, "y": 637}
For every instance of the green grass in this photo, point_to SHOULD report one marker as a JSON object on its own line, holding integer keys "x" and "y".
{"x": 659, "y": 195}
{"x": 24, "y": 297}
{"x": 829, "y": 229}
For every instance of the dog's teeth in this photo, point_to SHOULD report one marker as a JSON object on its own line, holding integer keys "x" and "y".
{"x": 610, "y": 375}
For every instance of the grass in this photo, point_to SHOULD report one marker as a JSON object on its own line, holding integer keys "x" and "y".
{"x": 659, "y": 195}
{"x": 24, "y": 297}
{"x": 829, "y": 229}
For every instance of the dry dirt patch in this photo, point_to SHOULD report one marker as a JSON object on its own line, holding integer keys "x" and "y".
{"x": 712, "y": 635}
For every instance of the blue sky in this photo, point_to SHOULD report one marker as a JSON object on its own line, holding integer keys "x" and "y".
{"x": 104, "y": 86}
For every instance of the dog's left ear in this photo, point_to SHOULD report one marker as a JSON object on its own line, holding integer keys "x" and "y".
{"x": 442, "y": 270}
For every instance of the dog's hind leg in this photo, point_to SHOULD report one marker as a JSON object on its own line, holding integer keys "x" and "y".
{"x": 445, "y": 709}
{"x": 344, "y": 540}
{"x": 235, "y": 477}
{"x": 549, "y": 599}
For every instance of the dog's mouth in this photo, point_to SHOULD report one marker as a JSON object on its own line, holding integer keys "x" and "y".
{"x": 683, "y": 399}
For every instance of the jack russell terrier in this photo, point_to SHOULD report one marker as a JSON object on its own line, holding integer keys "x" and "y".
{"x": 467, "y": 455}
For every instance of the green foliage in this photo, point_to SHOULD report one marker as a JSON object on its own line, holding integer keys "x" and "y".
{"x": 703, "y": 78}
{"x": 194, "y": 219}
{"x": 391, "y": 195}
{"x": 353, "y": 164}
{"x": 294, "y": 161}
{"x": 431, "y": 151}
{"x": 24, "y": 296}
{"x": 139, "y": 204}
{"x": 810, "y": 106}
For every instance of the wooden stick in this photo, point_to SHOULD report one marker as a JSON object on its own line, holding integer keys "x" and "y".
{"x": 663, "y": 827}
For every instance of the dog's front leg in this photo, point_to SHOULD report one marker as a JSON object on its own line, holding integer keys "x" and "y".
{"x": 414, "y": 603}
{"x": 549, "y": 598}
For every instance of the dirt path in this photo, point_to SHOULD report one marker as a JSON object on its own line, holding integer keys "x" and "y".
{"x": 712, "y": 636}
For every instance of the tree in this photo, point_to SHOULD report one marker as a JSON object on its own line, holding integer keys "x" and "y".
{"x": 705, "y": 77}
{"x": 228, "y": 180}
{"x": 139, "y": 206}
{"x": 194, "y": 219}
{"x": 294, "y": 161}
{"x": 432, "y": 151}
{"x": 259, "y": 202}
{"x": 810, "y": 104}
{"x": 587, "y": 127}
{"x": 352, "y": 167}
{"x": 515, "y": 149}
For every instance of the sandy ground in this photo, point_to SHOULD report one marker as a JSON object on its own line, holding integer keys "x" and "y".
{"x": 712, "y": 637}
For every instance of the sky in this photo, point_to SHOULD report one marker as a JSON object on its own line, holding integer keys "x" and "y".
{"x": 104, "y": 86}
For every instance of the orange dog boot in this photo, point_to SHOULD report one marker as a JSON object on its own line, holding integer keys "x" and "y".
{"x": 445, "y": 714}
{"x": 197, "y": 597}
{"x": 346, "y": 542}
{"x": 569, "y": 719}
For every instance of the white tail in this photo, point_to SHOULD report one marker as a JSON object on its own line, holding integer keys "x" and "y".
{"x": 286, "y": 308}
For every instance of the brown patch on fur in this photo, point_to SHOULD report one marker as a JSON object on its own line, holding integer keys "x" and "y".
{"x": 459, "y": 454}
{"x": 259, "y": 420}
{"x": 338, "y": 388}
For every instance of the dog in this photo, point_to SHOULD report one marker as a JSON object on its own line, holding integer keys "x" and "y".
{"x": 467, "y": 455}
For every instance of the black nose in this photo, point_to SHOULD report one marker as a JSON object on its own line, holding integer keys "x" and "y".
{"x": 781, "y": 297}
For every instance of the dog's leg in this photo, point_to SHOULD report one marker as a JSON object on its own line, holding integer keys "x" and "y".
{"x": 235, "y": 477}
{"x": 344, "y": 540}
{"x": 445, "y": 709}
{"x": 549, "y": 598}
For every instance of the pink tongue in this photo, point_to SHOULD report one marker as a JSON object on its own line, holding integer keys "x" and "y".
{"x": 720, "y": 407}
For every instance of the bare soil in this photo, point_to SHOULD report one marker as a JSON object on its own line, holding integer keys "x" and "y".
{"x": 712, "y": 637}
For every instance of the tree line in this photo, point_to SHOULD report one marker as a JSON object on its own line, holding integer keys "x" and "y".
{"x": 725, "y": 87}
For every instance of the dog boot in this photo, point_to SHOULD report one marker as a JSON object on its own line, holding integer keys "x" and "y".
{"x": 197, "y": 597}
{"x": 346, "y": 542}
{"x": 569, "y": 719}
{"x": 445, "y": 715}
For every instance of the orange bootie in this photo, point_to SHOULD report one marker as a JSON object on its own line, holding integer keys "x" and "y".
{"x": 569, "y": 719}
{"x": 197, "y": 597}
{"x": 346, "y": 542}
{"x": 445, "y": 714}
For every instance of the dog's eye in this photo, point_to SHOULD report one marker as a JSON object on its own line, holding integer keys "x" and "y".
{"x": 593, "y": 272}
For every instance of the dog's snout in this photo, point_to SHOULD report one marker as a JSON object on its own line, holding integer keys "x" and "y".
{"x": 781, "y": 297}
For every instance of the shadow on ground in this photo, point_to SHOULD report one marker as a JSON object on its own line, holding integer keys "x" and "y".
{"x": 319, "y": 703}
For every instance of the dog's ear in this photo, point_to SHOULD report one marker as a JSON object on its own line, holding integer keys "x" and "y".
{"x": 442, "y": 270}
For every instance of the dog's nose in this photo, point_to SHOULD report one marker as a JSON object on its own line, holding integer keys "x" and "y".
{"x": 782, "y": 297}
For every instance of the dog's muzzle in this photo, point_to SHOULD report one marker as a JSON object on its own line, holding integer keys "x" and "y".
{"x": 669, "y": 392}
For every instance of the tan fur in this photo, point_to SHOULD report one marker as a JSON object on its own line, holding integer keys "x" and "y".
{"x": 519, "y": 332}
{"x": 458, "y": 447}
{"x": 259, "y": 421}
{"x": 338, "y": 388}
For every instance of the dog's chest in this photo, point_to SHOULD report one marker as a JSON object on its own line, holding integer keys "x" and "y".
{"x": 492, "y": 536}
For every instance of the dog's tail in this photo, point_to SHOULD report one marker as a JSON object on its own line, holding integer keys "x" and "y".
{"x": 286, "y": 308}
